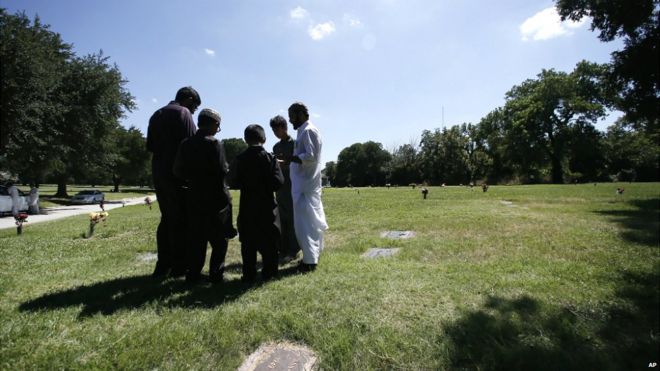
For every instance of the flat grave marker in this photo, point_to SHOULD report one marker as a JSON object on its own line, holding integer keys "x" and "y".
{"x": 280, "y": 357}
{"x": 398, "y": 235}
{"x": 380, "y": 252}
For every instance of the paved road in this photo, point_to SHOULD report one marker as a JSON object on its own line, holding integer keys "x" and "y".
{"x": 59, "y": 212}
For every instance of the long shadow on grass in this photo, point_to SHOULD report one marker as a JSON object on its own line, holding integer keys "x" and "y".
{"x": 641, "y": 225}
{"x": 142, "y": 291}
{"x": 525, "y": 334}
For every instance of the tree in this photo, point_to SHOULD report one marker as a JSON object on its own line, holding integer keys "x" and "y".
{"x": 404, "y": 167}
{"x": 94, "y": 98}
{"x": 130, "y": 158}
{"x": 450, "y": 155}
{"x": 633, "y": 72}
{"x": 491, "y": 133}
{"x": 630, "y": 154}
{"x": 362, "y": 164}
{"x": 477, "y": 159}
{"x": 330, "y": 172}
{"x": 33, "y": 58}
{"x": 586, "y": 154}
{"x": 233, "y": 146}
{"x": 544, "y": 111}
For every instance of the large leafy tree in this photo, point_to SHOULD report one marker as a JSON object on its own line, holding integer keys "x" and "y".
{"x": 404, "y": 166}
{"x": 630, "y": 154}
{"x": 477, "y": 160}
{"x": 633, "y": 72}
{"x": 130, "y": 157}
{"x": 545, "y": 111}
{"x": 451, "y": 155}
{"x": 330, "y": 172}
{"x": 492, "y": 133}
{"x": 32, "y": 58}
{"x": 58, "y": 109}
{"x": 362, "y": 164}
{"x": 94, "y": 98}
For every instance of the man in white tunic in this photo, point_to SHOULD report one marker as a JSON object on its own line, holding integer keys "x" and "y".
{"x": 305, "y": 171}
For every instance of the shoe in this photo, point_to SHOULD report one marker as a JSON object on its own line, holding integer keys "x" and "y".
{"x": 195, "y": 278}
{"x": 286, "y": 259}
{"x": 306, "y": 268}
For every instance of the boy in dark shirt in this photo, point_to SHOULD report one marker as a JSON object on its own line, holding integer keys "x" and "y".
{"x": 200, "y": 161}
{"x": 257, "y": 174}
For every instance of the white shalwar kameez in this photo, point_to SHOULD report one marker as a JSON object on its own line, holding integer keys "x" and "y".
{"x": 308, "y": 215}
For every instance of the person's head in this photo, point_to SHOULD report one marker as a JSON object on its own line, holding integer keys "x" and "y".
{"x": 278, "y": 124}
{"x": 298, "y": 114}
{"x": 189, "y": 98}
{"x": 254, "y": 135}
{"x": 209, "y": 121}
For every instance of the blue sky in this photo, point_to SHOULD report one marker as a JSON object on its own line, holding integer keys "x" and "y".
{"x": 368, "y": 70}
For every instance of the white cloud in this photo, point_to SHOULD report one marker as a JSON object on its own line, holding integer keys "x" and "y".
{"x": 298, "y": 13}
{"x": 316, "y": 115}
{"x": 547, "y": 24}
{"x": 154, "y": 100}
{"x": 209, "y": 52}
{"x": 321, "y": 30}
{"x": 352, "y": 20}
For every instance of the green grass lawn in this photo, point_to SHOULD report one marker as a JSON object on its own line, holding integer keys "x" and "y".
{"x": 521, "y": 277}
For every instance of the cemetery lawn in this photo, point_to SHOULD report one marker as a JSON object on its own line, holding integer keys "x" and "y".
{"x": 521, "y": 277}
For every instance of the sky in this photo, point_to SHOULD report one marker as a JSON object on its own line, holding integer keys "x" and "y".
{"x": 380, "y": 70}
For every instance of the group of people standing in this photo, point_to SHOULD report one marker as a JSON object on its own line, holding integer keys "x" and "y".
{"x": 280, "y": 209}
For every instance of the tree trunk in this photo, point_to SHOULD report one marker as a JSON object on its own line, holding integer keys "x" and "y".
{"x": 61, "y": 189}
{"x": 115, "y": 181}
{"x": 557, "y": 170}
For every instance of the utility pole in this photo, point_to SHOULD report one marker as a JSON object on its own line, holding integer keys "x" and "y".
{"x": 443, "y": 117}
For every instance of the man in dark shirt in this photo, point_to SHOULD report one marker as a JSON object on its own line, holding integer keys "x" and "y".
{"x": 167, "y": 128}
{"x": 201, "y": 162}
{"x": 284, "y": 149}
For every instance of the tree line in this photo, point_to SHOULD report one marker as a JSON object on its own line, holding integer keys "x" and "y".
{"x": 545, "y": 132}
{"x": 60, "y": 112}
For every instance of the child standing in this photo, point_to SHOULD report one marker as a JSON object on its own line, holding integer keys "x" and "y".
{"x": 257, "y": 174}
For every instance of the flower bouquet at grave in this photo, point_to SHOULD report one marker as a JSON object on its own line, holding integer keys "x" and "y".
{"x": 94, "y": 219}
{"x": 20, "y": 219}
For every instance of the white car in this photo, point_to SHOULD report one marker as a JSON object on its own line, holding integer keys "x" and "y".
{"x": 88, "y": 197}
{"x": 6, "y": 203}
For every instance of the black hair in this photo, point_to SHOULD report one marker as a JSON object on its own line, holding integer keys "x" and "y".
{"x": 188, "y": 92}
{"x": 278, "y": 122}
{"x": 254, "y": 134}
{"x": 299, "y": 107}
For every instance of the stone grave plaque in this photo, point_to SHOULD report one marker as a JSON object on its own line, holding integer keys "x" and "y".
{"x": 280, "y": 357}
{"x": 380, "y": 252}
{"x": 507, "y": 203}
{"x": 397, "y": 235}
{"x": 148, "y": 257}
